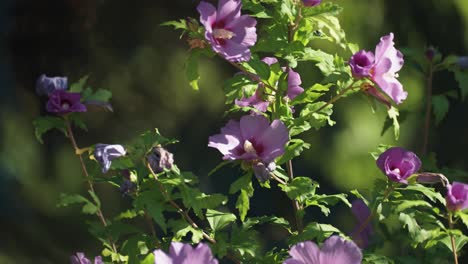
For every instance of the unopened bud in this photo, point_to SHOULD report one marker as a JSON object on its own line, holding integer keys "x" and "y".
{"x": 160, "y": 159}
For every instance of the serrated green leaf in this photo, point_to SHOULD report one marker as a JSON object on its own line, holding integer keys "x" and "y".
{"x": 243, "y": 204}
{"x": 299, "y": 187}
{"x": 440, "y": 105}
{"x": 219, "y": 220}
{"x": 177, "y": 24}
{"x": 195, "y": 199}
{"x": 315, "y": 232}
{"x": 293, "y": 149}
{"x": 311, "y": 94}
{"x": 101, "y": 95}
{"x": 78, "y": 87}
{"x": 43, "y": 124}
{"x": 462, "y": 79}
{"x": 191, "y": 70}
{"x": 392, "y": 120}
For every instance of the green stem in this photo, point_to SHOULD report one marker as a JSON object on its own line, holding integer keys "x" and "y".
{"x": 452, "y": 238}
{"x": 336, "y": 97}
{"x": 79, "y": 153}
{"x": 427, "y": 121}
{"x": 374, "y": 208}
{"x": 296, "y": 205}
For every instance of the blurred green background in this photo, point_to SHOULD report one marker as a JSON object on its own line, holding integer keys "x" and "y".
{"x": 123, "y": 48}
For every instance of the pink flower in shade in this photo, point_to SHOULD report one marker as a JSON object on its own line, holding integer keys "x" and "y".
{"x": 229, "y": 33}
{"x": 457, "y": 196}
{"x": 252, "y": 138}
{"x": 311, "y": 2}
{"x": 398, "y": 164}
{"x": 257, "y": 101}
{"x": 335, "y": 250}
{"x": 62, "y": 102}
{"x": 361, "y": 212}
{"x": 381, "y": 68}
{"x": 181, "y": 253}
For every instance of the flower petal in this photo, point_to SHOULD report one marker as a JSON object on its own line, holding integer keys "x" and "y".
{"x": 228, "y": 10}
{"x": 337, "y": 250}
{"x": 306, "y": 252}
{"x": 207, "y": 15}
{"x": 273, "y": 140}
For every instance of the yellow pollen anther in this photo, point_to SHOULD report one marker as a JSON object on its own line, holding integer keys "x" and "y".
{"x": 221, "y": 33}
{"x": 248, "y": 147}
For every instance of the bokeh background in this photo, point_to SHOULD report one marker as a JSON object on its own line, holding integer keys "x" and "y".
{"x": 123, "y": 48}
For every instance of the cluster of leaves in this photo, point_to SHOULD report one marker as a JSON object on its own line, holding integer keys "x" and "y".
{"x": 168, "y": 206}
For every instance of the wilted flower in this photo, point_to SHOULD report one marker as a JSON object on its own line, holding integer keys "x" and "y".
{"x": 63, "y": 102}
{"x": 256, "y": 100}
{"x": 251, "y": 138}
{"x": 335, "y": 250}
{"x": 361, "y": 212}
{"x": 431, "y": 178}
{"x": 229, "y": 33}
{"x": 80, "y": 258}
{"x": 381, "y": 68}
{"x": 46, "y": 85}
{"x": 262, "y": 172}
{"x": 160, "y": 159}
{"x": 311, "y": 2}
{"x": 457, "y": 196}
{"x": 105, "y": 153}
{"x": 398, "y": 164}
{"x": 181, "y": 253}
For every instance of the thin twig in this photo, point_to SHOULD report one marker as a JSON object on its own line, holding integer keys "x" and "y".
{"x": 452, "y": 239}
{"x": 78, "y": 152}
{"x": 369, "y": 218}
{"x": 336, "y": 97}
{"x": 427, "y": 121}
{"x": 276, "y": 178}
{"x": 252, "y": 76}
{"x": 296, "y": 206}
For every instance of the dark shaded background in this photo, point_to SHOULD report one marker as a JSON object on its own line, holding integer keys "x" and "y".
{"x": 123, "y": 48}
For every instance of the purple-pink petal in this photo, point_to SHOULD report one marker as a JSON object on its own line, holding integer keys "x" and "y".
{"x": 63, "y": 102}
{"x": 252, "y": 138}
{"x": 361, "y": 64}
{"x": 361, "y": 212}
{"x": 311, "y": 2}
{"x": 294, "y": 82}
{"x": 335, "y": 250}
{"x": 181, "y": 253}
{"x": 457, "y": 196}
{"x": 398, "y": 164}
{"x": 230, "y": 34}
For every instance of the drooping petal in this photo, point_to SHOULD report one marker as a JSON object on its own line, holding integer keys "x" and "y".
{"x": 226, "y": 144}
{"x": 392, "y": 87}
{"x": 234, "y": 51}
{"x": 244, "y": 30}
{"x": 294, "y": 82}
{"x": 337, "y": 250}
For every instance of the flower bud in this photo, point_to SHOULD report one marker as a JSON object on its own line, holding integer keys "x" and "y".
{"x": 430, "y": 53}
{"x": 160, "y": 159}
{"x": 457, "y": 196}
{"x": 105, "y": 153}
{"x": 46, "y": 85}
{"x": 263, "y": 172}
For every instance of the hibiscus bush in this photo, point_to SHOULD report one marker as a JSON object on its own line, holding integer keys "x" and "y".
{"x": 414, "y": 207}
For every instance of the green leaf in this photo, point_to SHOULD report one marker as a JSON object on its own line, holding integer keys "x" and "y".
{"x": 152, "y": 202}
{"x": 462, "y": 79}
{"x": 315, "y": 232}
{"x": 149, "y": 259}
{"x": 426, "y": 191}
{"x": 177, "y": 24}
{"x": 312, "y": 117}
{"x": 191, "y": 70}
{"x": 243, "y": 204}
{"x": 463, "y": 216}
{"x": 299, "y": 187}
{"x": 323, "y": 8}
{"x": 252, "y": 221}
{"x": 417, "y": 233}
{"x": 392, "y": 120}
{"x": 43, "y": 124}
{"x": 197, "y": 234}
{"x": 244, "y": 182}
{"x": 69, "y": 199}
{"x": 79, "y": 86}
{"x": 197, "y": 200}
{"x": 331, "y": 26}
{"x": 75, "y": 118}
{"x": 259, "y": 68}
{"x": 294, "y": 149}
{"x": 440, "y": 104}
{"x": 256, "y": 9}
{"x": 101, "y": 95}
{"x": 219, "y": 220}
{"x": 311, "y": 94}
{"x": 376, "y": 259}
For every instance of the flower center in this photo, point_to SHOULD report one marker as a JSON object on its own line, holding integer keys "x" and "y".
{"x": 221, "y": 33}
{"x": 248, "y": 147}
{"x": 396, "y": 170}
{"x": 65, "y": 106}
